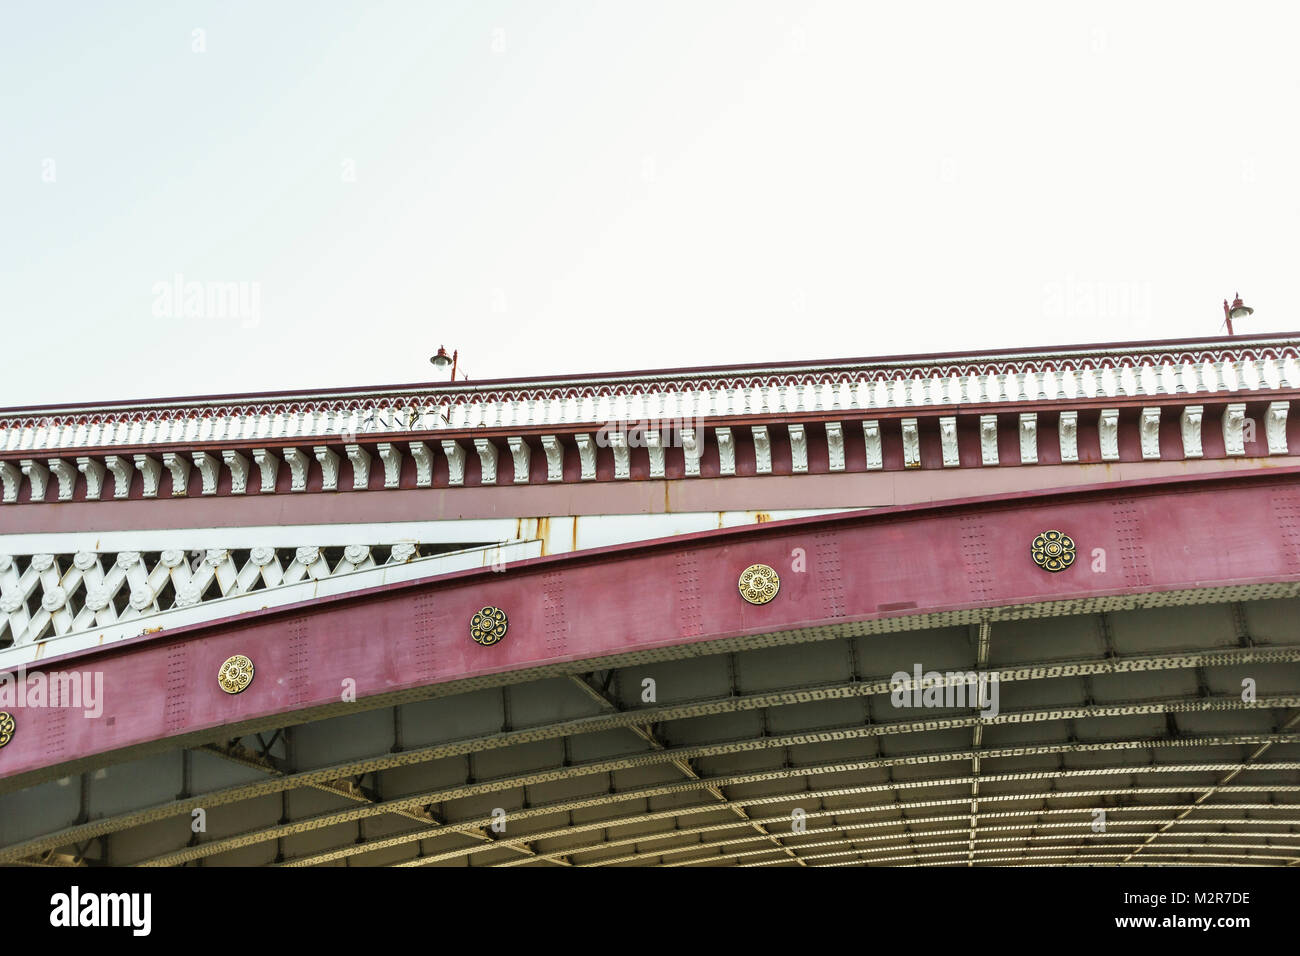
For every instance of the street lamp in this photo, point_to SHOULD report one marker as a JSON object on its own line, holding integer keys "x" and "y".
{"x": 1238, "y": 310}
{"x": 441, "y": 360}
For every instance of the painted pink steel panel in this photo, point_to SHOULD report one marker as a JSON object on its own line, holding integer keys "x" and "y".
{"x": 1158, "y": 536}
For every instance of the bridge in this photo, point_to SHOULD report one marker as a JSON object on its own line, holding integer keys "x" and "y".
{"x": 1028, "y": 607}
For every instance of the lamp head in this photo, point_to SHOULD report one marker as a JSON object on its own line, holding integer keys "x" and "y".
{"x": 1239, "y": 310}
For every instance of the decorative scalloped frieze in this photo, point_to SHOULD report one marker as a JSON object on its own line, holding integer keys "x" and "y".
{"x": 1251, "y": 363}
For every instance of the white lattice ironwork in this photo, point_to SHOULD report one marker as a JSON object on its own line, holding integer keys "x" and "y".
{"x": 43, "y": 595}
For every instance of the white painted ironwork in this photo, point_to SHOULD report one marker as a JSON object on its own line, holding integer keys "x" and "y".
{"x": 1029, "y": 438}
{"x": 1190, "y": 424}
{"x": 989, "y": 439}
{"x": 52, "y": 594}
{"x": 937, "y": 380}
{"x": 948, "y": 441}
{"x": 1234, "y": 420}
{"x": 1108, "y": 434}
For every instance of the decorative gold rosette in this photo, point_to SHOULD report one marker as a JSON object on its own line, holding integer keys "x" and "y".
{"x": 235, "y": 674}
{"x": 488, "y": 626}
{"x": 759, "y": 583}
{"x": 7, "y": 728}
{"x": 1053, "y": 551}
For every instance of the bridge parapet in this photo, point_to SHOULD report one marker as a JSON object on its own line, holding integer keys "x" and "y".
{"x": 1088, "y": 404}
{"x": 1218, "y": 365}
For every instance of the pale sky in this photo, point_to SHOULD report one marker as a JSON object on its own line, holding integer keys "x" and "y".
{"x": 558, "y": 187}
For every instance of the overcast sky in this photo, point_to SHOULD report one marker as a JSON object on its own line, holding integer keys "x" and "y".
{"x": 566, "y": 187}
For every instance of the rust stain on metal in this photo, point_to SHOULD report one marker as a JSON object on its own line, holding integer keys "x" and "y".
{"x": 543, "y": 532}
{"x": 762, "y": 516}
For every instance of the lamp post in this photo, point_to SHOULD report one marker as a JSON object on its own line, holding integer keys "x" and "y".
{"x": 441, "y": 360}
{"x": 1238, "y": 310}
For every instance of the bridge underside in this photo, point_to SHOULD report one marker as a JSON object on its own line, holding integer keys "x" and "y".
{"x": 774, "y": 756}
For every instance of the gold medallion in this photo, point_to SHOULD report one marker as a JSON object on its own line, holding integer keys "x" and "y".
{"x": 759, "y": 583}
{"x": 1053, "y": 551}
{"x": 488, "y": 626}
{"x": 236, "y": 674}
{"x": 7, "y": 728}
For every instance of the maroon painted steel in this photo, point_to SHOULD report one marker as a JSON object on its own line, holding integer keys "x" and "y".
{"x": 1158, "y": 536}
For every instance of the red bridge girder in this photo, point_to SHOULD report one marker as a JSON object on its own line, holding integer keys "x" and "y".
{"x": 865, "y": 570}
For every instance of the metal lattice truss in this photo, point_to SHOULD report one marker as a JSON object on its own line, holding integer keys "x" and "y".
{"x": 793, "y": 753}
{"x": 43, "y": 595}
